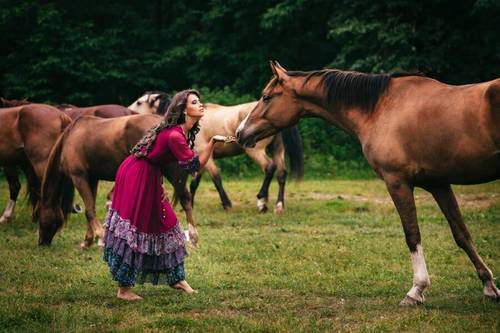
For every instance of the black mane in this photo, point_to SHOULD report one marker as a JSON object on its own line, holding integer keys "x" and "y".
{"x": 164, "y": 100}
{"x": 346, "y": 88}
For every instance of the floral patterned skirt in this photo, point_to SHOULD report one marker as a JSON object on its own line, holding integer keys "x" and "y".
{"x": 135, "y": 257}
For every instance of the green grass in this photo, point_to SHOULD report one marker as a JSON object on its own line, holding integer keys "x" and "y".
{"x": 336, "y": 260}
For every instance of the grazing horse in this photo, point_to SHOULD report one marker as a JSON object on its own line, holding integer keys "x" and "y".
{"x": 38, "y": 151}
{"x": 223, "y": 120}
{"x": 89, "y": 150}
{"x": 414, "y": 131}
{"x": 27, "y": 133}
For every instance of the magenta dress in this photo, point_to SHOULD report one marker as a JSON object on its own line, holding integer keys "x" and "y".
{"x": 143, "y": 239}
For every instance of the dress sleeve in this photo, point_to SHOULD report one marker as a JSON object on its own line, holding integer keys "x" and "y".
{"x": 187, "y": 158}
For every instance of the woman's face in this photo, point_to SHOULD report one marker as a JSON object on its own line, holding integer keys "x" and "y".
{"x": 194, "y": 107}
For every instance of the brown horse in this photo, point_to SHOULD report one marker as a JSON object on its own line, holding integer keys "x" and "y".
{"x": 27, "y": 133}
{"x": 102, "y": 111}
{"x": 10, "y": 103}
{"x": 92, "y": 149}
{"x": 415, "y": 131}
{"x": 42, "y": 124}
{"x": 224, "y": 120}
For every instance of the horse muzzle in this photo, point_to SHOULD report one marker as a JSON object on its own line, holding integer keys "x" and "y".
{"x": 246, "y": 141}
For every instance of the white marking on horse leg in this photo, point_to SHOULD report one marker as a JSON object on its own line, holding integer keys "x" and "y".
{"x": 242, "y": 124}
{"x": 262, "y": 204}
{"x": 420, "y": 276}
{"x": 490, "y": 290}
{"x": 108, "y": 204}
{"x": 278, "y": 209}
{"x": 8, "y": 212}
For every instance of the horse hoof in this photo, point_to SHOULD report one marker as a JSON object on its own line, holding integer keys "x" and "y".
{"x": 279, "y": 208}
{"x": 409, "y": 301}
{"x": 491, "y": 293}
{"x": 85, "y": 245}
{"x": 77, "y": 209}
{"x": 4, "y": 219}
{"x": 262, "y": 209}
{"x": 100, "y": 243}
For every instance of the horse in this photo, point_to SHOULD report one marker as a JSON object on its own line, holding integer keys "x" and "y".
{"x": 151, "y": 102}
{"x": 27, "y": 134}
{"x": 8, "y": 103}
{"x": 414, "y": 131}
{"x": 40, "y": 154}
{"x": 102, "y": 111}
{"x": 224, "y": 120}
{"x": 80, "y": 159}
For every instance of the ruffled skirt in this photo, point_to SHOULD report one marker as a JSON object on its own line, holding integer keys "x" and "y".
{"x": 135, "y": 257}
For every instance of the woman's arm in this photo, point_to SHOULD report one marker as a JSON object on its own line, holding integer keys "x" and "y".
{"x": 209, "y": 148}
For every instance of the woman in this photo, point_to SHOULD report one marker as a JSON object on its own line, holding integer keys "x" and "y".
{"x": 143, "y": 239}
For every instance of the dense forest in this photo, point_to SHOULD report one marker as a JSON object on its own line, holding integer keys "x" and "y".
{"x": 100, "y": 52}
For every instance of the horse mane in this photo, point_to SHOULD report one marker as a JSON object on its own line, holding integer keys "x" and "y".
{"x": 350, "y": 88}
{"x": 164, "y": 100}
{"x": 57, "y": 188}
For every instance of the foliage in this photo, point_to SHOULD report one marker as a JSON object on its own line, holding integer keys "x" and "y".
{"x": 88, "y": 53}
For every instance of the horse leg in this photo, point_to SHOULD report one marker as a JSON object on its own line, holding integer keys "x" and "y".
{"x": 88, "y": 189}
{"x": 186, "y": 202}
{"x": 11, "y": 173}
{"x": 214, "y": 174}
{"x": 279, "y": 161}
{"x": 447, "y": 202}
{"x": 265, "y": 163}
{"x": 109, "y": 198}
{"x": 193, "y": 186}
{"x": 402, "y": 195}
{"x": 280, "y": 202}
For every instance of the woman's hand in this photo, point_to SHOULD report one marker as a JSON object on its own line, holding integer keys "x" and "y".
{"x": 223, "y": 138}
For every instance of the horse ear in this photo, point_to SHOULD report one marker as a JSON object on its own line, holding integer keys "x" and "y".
{"x": 278, "y": 70}
{"x": 279, "y": 67}
{"x": 271, "y": 63}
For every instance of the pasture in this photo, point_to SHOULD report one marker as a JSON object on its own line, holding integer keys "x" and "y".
{"x": 336, "y": 260}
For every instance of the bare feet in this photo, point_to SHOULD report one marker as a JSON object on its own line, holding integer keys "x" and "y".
{"x": 127, "y": 294}
{"x": 183, "y": 285}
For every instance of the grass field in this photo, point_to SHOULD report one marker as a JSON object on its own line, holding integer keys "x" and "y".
{"x": 335, "y": 261}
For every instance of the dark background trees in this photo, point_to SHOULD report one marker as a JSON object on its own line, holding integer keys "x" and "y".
{"x": 97, "y": 52}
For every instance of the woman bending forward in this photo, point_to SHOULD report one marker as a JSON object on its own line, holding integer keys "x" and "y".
{"x": 143, "y": 239}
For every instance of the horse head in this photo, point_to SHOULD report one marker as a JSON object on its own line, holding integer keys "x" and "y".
{"x": 155, "y": 102}
{"x": 276, "y": 109}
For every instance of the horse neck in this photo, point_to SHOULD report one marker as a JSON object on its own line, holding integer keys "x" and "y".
{"x": 353, "y": 120}
{"x": 244, "y": 109}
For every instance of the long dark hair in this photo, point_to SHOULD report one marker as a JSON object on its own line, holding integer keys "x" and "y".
{"x": 175, "y": 115}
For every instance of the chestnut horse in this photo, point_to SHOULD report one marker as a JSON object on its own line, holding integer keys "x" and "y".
{"x": 27, "y": 133}
{"x": 102, "y": 111}
{"x": 414, "y": 131}
{"x": 42, "y": 130}
{"x": 10, "y": 103}
{"x": 89, "y": 150}
{"x": 223, "y": 120}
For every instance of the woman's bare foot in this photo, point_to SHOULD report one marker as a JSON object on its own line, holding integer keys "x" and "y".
{"x": 183, "y": 285}
{"x": 127, "y": 294}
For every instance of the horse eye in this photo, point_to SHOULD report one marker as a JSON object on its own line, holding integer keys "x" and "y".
{"x": 266, "y": 97}
{"x": 138, "y": 103}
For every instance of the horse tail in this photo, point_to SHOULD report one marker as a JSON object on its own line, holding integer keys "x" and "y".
{"x": 57, "y": 188}
{"x": 33, "y": 189}
{"x": 294, "y": 150}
